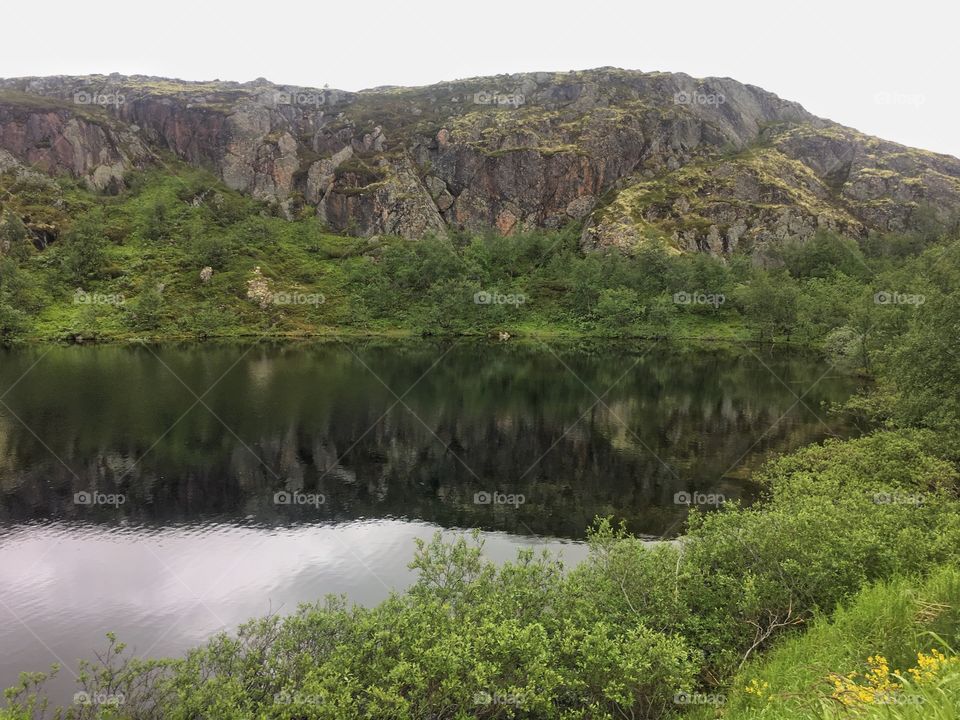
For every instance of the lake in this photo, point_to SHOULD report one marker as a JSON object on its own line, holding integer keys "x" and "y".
{"x": 167, "y": 492}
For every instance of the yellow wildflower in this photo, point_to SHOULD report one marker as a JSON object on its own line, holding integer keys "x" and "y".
{"x": 757, "y": 688}
{"x": 875, "y": 686}
{"x": 932, "y": 664}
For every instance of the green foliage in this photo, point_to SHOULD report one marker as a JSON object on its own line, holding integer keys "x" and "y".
{"x": 469, "y": 640}
{"x": 14, "y": 237}
{"x": 637, "y": 623}
{"x": 168, "y": 226}
{"x": 896, "y": 619}
{"x": 925, "y": 367}
{"x": 832, "y": 522}
{"x": 823, "y": 255}
{"x": 770, "y": 305}
{"x": 12, "y": 287}
{"x": 617, "y": 310}
{"x": 84, "y": 251}
{"x": 145, "y": 311}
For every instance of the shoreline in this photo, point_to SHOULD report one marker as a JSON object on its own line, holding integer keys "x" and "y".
{"x": 394, "y": 334}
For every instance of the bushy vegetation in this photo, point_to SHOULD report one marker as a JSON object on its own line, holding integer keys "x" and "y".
{"x": 173, "y": 255}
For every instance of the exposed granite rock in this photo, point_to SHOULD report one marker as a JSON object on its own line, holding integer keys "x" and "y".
{"x": 54, "y": 139}
{"x": 707, "y": 165}
{"x": 322, "y": 174}
{"x": 396, "y": 204}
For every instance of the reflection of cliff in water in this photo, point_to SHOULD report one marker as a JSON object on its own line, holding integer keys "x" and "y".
{"x": 327, "y": 419}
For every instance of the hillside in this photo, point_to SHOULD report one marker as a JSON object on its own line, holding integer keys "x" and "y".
{"x": 710, "y": 165}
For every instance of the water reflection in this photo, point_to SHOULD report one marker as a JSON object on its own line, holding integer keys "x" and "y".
{"x": 396, "y": 430}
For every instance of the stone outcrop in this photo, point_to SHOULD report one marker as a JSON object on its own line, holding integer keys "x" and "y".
{"x": 54, "y": 138}
{"x": 710, "y": 165}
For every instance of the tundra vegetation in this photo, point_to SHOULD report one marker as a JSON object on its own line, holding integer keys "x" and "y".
{"x": 836, "y": 595}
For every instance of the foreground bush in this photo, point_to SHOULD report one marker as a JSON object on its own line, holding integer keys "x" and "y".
{"x": 835, "y": 518}
{"x": 469, "y": 640}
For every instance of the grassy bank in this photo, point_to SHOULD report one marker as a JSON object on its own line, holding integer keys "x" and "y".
{"x": 889, "y": 652}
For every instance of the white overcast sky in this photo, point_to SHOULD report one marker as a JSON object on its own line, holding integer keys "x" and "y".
{"x": 888, "y": 69}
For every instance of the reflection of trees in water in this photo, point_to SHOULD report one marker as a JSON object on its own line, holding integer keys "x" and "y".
{"x": 486, "y": 418}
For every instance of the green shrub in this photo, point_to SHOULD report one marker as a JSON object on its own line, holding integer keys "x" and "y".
{"x": 836, "y": 517}
{"x": 84, "y": 248}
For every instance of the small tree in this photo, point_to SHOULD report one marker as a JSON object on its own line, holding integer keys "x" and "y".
{"x": 618, "y": 311}
{"x": 84, "y": 253}
{"x": 770, "y": 305}
{"x": 14, "y": 238}
{"x": 660, "y": 315}
{"x": 145, "y": 311}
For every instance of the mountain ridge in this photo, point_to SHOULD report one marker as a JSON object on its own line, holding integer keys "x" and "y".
{"x": 705, "y": 164}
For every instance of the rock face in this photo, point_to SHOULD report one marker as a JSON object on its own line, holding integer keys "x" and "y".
{"x": 710, "y": 165}
{"x": 56, "y": 140}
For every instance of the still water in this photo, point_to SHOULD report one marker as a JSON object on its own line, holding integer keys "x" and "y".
{"x": 165, "y": 493}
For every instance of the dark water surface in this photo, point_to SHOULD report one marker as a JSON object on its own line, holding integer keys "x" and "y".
{"x": 166, "y": 493}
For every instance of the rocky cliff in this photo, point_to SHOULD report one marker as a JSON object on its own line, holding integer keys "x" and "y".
{"x": 702, "y": 164}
